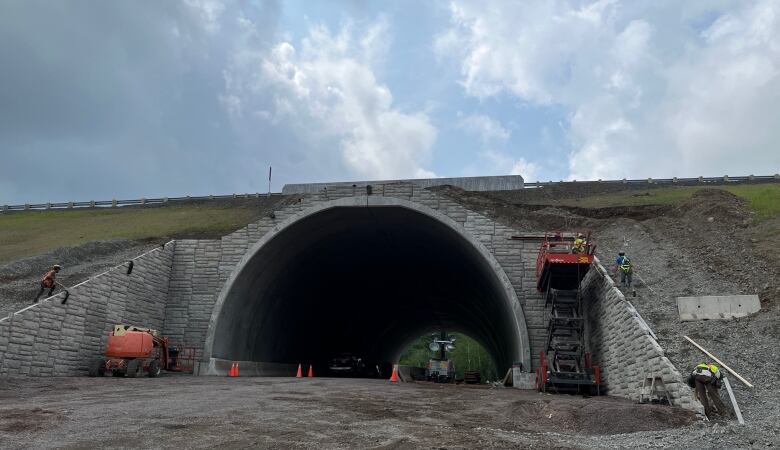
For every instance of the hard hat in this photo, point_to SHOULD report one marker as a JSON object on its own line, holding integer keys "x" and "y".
{"x": 621, "y": 253}
{"x": 579, "y": 235}
{"x": 57, "y": 266}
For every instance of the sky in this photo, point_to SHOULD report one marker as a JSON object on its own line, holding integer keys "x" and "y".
{"x": 141, "y": 98}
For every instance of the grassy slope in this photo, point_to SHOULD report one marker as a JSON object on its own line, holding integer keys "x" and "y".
{"x": 764, "y": 198}
{"x": 31, "y": 233}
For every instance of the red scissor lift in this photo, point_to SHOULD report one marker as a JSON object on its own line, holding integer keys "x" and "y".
{"x": 560, "y": 268}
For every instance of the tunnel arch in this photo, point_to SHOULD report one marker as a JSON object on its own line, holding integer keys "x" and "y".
{"x": 364, "y": 274}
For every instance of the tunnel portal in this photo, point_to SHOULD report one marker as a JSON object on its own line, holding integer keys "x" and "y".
{"x": 366, "y": 280}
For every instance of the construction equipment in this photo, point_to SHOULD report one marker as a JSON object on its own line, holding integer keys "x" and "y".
{"x": 560, "y": 268}
{"x": 131, "y": 351}
{"x": 441, "y": 369}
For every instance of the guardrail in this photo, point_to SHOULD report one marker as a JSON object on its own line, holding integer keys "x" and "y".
{"x": 537, "y": 184}
{"x": 140, "y": 201}
{"x": 675, "y": 180}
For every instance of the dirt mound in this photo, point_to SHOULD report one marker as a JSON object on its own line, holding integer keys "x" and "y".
{"x": 65, "y": 256}
{"x": 596, "y": 415}
{"x": 20, "y": 279}
{"x": 717, "y": 204}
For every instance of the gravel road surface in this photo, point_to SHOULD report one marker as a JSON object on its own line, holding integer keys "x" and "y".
{"x": 199, "y": 412}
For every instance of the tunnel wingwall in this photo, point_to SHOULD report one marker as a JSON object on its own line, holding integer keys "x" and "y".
{"x": 622, "y": 344}
{"x": 52, "y": 339}
{"x": 176, "y": 288}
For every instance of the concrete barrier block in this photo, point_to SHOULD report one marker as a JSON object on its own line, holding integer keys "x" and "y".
{"x": 717, "y": 307}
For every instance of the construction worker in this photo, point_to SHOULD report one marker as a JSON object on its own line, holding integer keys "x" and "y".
{"x": 706, "y": 380}
{"x": 579, "y": 244}
{"x": 49, "y": 281}
{"x": 625, "y": 268}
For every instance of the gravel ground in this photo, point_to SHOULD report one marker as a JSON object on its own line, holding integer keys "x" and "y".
{"x": 200, "y": 412}
{"x": 20, "y": 280}
{"x": 710, "y": 245}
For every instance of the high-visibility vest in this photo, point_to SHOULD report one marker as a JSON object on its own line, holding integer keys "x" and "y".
{"x": 714, "y": 370}
{"x": 625, "y": 264}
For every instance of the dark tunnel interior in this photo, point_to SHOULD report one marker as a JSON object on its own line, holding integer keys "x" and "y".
{"x": 363, "y": 280}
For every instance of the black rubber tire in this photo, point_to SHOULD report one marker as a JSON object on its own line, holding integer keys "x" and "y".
{"x": 154, "y": 369}
{"x": 97, "y": 368}
{"x": 132, "y": 368}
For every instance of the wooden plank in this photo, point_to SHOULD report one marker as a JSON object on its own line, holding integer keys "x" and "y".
{"x": 744, "y": 381}
{"x": 733, "y": 401}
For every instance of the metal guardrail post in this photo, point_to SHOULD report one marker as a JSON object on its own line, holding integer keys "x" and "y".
{"x": 91, "y": 203}
{"x": 26, "y": 206}
{"x": 165, "y": 199}
{"x": 113, "y": 203}
{"x": 143, "y": 200}
{"x": 701, "y": 179}
{"x": 48, "y": 205}
{"x": 725, "y": 178}
{"x": 70, "y": 205}
{"x": 674, "y": 180}
{"x": 649, "y": 181}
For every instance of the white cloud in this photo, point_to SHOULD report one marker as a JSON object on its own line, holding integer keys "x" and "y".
{"x": 326, "y": 87}
{"x": 502, "y": 163}
{"x": 488, "y": 129}
{"x": 209, "y": 12}
{"x": 647, "y": 94}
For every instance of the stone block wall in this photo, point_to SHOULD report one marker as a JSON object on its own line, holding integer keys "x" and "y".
{"x": 622, "y": 344}
{"x": 174, "y": 290}
{"x": 195, "y": 286}
{"x": 52, "y": 339}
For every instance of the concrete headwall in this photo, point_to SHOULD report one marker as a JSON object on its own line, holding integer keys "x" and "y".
{"x": 201, "y": 267}
{"x": 52, "y": 339}
{"x": 621, "y": 342}
{"x": 497, "y": 183}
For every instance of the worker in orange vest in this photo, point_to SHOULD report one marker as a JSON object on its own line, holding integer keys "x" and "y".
{"x": 49, "y": 281}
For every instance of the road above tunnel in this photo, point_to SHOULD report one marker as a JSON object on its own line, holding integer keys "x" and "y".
{"x": 200, "y": 412}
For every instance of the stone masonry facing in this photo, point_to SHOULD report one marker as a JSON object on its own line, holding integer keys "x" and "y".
{"x": 175, "y": 288}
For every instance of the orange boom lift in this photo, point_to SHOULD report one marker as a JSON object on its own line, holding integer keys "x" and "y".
{"x": 133, "y": 351}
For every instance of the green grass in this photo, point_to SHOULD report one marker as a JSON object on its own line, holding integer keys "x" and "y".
{"x": 30, "y": 233}
{"x": 764, "y": 199}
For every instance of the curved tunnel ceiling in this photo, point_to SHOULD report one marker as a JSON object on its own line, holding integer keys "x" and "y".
{"x": 364, "y": 280}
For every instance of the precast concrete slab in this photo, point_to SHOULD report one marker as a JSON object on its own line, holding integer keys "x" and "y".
{"x": 495, "y": 183}
{"x": 717, "y": 307}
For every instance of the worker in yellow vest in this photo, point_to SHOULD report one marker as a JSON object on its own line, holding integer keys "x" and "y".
{"x": 579, "y": 244}
{"x": 706, "y": 380}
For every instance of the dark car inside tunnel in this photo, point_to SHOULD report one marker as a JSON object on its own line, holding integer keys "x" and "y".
{"x": 364, "y": 281}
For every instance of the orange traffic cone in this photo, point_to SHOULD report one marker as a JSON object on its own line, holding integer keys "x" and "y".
{"x": 236, "y": 372}
{"x": 311, "y": 372}
{"x": 232, "y": 371}
{"x": 300, "y": 372}
{"x": 394, "y": 376}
